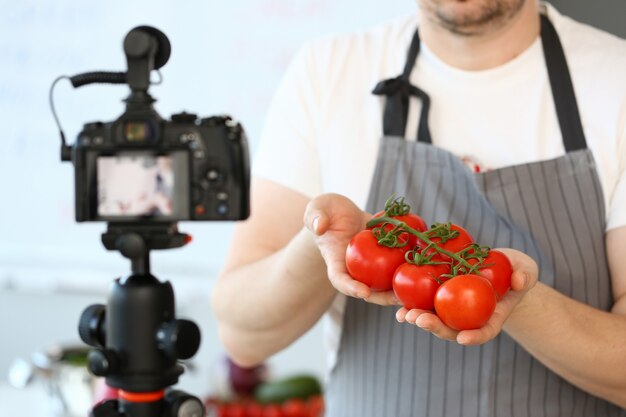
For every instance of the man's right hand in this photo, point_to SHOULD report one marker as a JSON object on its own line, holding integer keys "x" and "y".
{"x": 334, "y": 220}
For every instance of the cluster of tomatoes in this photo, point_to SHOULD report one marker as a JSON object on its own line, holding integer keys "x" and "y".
{"x": 438, "y": 269}
{"x": 295, "y": 407}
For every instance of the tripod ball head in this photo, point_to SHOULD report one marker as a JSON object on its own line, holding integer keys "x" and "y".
{"x": 137, "y": 338}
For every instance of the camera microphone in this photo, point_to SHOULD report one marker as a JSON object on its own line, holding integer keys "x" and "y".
{"x": 146, "y": 48}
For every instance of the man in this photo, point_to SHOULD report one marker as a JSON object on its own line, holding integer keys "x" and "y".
{"x": 538, "y": 106}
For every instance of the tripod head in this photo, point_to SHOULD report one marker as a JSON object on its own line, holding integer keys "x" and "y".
{"x": 136, "y": 338}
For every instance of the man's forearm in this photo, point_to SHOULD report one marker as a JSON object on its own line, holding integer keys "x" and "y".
{"x": 584, "y": 345}
{"x": 263, "y": 306}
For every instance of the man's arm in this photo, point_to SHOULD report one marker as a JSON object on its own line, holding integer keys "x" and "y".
{"x": 279, "y": 277}
{"x": 273, "y": 287}
{"x": 584, "y": 345}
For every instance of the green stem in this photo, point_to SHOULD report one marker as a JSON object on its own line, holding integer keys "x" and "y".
{"x": 422, "y": 236}
{"x": 389, "y": 238}
{"x": 396, "y": 206}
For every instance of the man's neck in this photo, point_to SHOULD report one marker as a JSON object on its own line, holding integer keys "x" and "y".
{"x": 484, "y": 51}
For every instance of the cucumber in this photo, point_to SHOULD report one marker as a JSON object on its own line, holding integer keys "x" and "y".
{"x": 281, "y": 390}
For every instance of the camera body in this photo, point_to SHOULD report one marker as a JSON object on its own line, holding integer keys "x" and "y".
{"x": 141, "y": 167}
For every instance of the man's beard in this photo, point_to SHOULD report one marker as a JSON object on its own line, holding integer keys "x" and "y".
{"x": 471, "y": 17}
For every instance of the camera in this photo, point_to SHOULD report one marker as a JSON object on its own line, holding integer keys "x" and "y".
{"x": 143, "y": 168}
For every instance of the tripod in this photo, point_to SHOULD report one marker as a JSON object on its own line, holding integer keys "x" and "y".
{"x": 136, "y": 338}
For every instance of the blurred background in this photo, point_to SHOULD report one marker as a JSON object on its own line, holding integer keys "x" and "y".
{"x": 227, "y": 57}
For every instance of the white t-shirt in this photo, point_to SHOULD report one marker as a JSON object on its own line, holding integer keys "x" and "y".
{"x": 324, "y": 126}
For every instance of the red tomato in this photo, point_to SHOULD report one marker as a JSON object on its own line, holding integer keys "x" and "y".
{"x": 315, "y": 406}
{"x": 414, "y": 221}
{"x": 416, "y": 285}
{"x": 498, "y": 271}
{"x": 235, "y": 410}
{"x": 294, "y": 408}
{"x": 272, "y": 410}
{"x": 371, "y": 263}
{"x": 452, "y": 245}
{"x": 254, "y": 410}
{"x": 222, "y": 410}
{"x": 465, "y": 302}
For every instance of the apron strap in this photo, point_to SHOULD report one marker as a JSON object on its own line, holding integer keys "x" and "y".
{"x": 562, "y": 88}
{"x": 399, "y": 90}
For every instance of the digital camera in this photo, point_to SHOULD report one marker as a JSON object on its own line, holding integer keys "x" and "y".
{"x": 143, "y": 168}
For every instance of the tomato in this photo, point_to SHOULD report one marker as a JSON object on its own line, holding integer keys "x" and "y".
{"x": 254, "y": 409}
{"x": 454, "y": 245}
{"x": 465, "y": 302}
{"x": 222, "y": 410}
{"x": 294, "y": 408}
{"x": 412, "y": 220}
{"x": 232, "y": 410}
{"x": 272, "y": 410}
{"x": 416, "y": 285}
{"x": 371, "y": 263}
{"x": 498, "y": 271}
{"x": 315, "y": 406}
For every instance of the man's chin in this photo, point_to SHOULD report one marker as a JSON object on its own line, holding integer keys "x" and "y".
{"x": 473, "y": 17}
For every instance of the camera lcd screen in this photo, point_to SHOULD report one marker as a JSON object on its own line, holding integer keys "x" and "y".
{"x": 142, "y": 185}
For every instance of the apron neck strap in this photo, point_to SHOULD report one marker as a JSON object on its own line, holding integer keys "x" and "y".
{"x": 411, "y": 58}
{"x": 562, "y": 88}
{"x": 399, "y": 90}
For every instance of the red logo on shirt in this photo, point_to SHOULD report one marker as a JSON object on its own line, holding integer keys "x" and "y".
{"x": 473, "y": 164}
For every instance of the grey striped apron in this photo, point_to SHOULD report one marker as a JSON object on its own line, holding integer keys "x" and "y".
{"x": 552, "y": 210}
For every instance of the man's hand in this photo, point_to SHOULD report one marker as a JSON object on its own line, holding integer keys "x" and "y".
{"x": 525, "y": 276}
{"x": 334, "y": 220}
